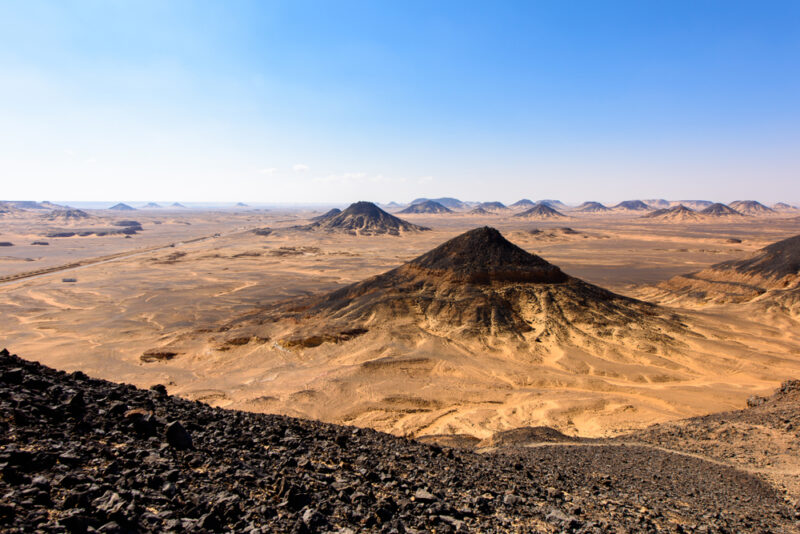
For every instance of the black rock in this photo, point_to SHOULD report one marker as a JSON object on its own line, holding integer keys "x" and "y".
{"x": 178, "y": 437}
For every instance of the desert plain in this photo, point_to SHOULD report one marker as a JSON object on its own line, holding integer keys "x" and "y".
{"x": 188, "y": 300}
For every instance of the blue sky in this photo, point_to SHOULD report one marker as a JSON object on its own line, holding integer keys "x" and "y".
{"x": 326, "y": 101}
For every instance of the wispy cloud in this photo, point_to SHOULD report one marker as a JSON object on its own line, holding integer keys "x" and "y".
{"x": 300, "y": 167}
{"x": 356, "y": 178}
{"x": 268, "y": 170}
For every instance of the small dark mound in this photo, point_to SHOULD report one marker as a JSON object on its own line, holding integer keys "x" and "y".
{"x": 327, "y": 215}
{"x": 541, "y": 211}
{"x": 128, "y": 224}
{"x": 447, "y": 202}
{"x": 151, "y": 205}
{"x": 157, "y": 355}
{"x": 492, "y": 206}
{"x": 177, "y": 205}
{"x": 677, "y": 211}
{"x": 483, "y": 256}
{"x": 526, "y": 435}
{"x": 632, "y": 205}
{"x": 122, "y": 207}
{"x": 429, "y": 206}
{"x": 6, "y": 244}
{"x": 524, "y": 203}
{"x": 367, "y": 219}
{"x": 592, "y": 207}
{"x": 750, "y": 207}
{"x": 720, "y": 210}
{"x": 480, "y": 211}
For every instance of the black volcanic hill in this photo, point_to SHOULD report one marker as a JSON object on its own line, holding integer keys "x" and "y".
{"x": 541, "y": 211}
{"x": 720, "y": 210}
{"x": 447, "y": 202}
{"x": 122, "y": 207}
{"x": 555, "y": 204}
{"x": 632, "y": 205}
{"x": 524, "y": 203}
{"x": 484, "y": 256}
{"x": 492, "y": 206}
{"x": 772, "y": 272}
{"x": 476, "y": 285}
{"x": 84, "y": 455}
{"x": 327, "y": 215}
{"x": 429, "y": 206}
{"x": 365, "y": 218}
{"x": 774, "y": 261}
{"x": 592, "y": 207}
{"x": 480, "y": 211}
{"x": 675, "y": 213}
{"x": 750, "y": 207}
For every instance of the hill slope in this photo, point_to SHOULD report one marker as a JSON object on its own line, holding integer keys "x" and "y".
{"x": 773, "y": 271}
{"x": 80, "y": 453}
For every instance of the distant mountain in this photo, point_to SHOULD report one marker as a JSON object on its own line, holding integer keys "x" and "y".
{"x": 523, "y": 204}
{"x": 31, "y": 205}
{"x": 151, "y": 205}
{"x": 429, "y": 206}
{"x": 364, "y": 218}
{"x": 632, "y": 205}
{"x": 696, "y": 205}
{"x": 241, "y": 205}
{"x": 678, "y": 213}
{"x": 783, "y": 206}
{"x": 176, "y": 205}
{"x": 657, "y": 203}
{"x": 327, "y": 215}
{"x": 492, "y": 206}
{"x": 750, "y": 207}
{"x": 592, "y": 207}
{"x": 555, "y": 204}
{"x": 541, "y": 211}
{"x": 447, "y": 202}
{"x": 720, "y": 210}
{"x": 480, "y": 211}
{"x": 122, "y": 207}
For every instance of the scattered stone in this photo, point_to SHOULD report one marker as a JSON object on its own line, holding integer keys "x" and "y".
{"x": 178, "y": 437}
{"x": 85, "y": 455}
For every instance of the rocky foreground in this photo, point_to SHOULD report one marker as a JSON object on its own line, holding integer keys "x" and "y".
{"x": 82, "y": 455}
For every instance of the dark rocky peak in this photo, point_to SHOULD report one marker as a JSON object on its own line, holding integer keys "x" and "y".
{"x": 483, "y": 255}
{"x": 719, "y": 209}
{"x": 636, "y": 205}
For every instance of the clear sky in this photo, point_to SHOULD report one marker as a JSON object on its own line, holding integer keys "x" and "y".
{"x": 335, "y": 101}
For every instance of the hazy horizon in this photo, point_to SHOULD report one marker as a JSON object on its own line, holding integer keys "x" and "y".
{"x": 302, "y": 102}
